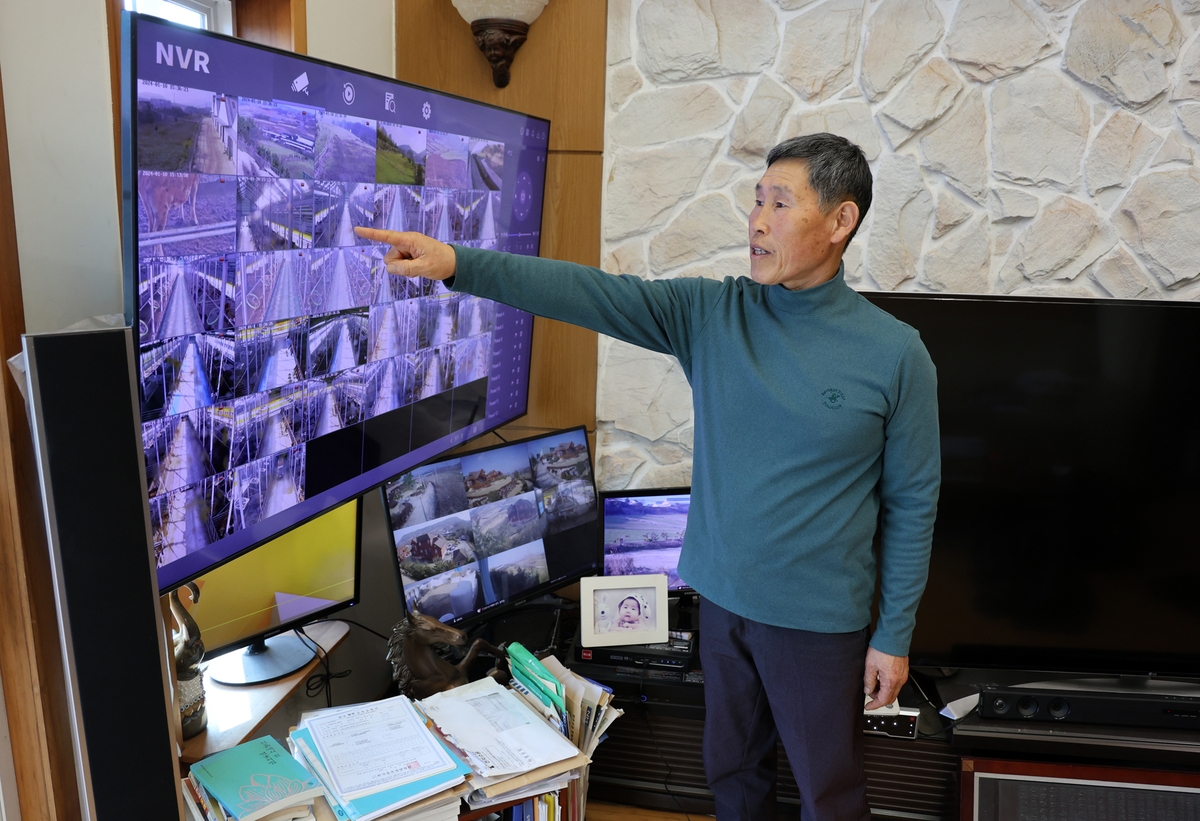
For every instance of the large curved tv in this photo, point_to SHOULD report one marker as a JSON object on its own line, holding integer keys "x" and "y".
{"x": 282, "y": 369}
{"x": 1067, "y": 530}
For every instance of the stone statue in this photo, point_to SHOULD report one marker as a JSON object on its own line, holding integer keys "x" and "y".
{"x": 189, "y": 652}
{"x": 499, "y": 41}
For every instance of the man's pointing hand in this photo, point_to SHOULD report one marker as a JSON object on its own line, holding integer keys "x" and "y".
{"x": 413, "y": 254}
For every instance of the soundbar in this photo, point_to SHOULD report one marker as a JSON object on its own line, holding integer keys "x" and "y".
{"x": 1120, "y": 702}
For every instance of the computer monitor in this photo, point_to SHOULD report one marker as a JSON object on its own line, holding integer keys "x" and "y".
{"x": 479, "y": 532}
{"x": 282, "y": 369}
{"x": 643, "y": 530}
{"x": 259, "y": 598}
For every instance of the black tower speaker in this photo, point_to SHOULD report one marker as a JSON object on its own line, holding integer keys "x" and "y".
{"x": 86, "y": 427}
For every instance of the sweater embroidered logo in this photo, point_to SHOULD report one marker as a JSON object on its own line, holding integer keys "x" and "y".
{"x": 833, "y": 398}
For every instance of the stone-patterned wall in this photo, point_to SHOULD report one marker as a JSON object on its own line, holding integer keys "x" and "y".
{"x": 1018, "y": 147}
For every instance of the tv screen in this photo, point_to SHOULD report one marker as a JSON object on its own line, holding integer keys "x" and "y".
{"x": 307, "y": 573}
{"x": 1066, "y": 530}
{"x": 481, "y": 531}
{"x": 283, "y": 370}
{"x": 643, "y": 532}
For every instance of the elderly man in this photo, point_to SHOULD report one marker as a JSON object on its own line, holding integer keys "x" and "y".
{"x": 816, "y": 421}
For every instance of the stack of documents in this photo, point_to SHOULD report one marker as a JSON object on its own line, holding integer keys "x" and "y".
{"x": 589, "y": 714}
{"x": 513, "y": 750}
{"x": 589, "y": 710}
{"x": 513, "y": 754}
{"x": 380, "y": 761}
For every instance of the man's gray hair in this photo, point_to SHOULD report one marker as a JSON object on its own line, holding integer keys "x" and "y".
{"x": 837, "y": 170}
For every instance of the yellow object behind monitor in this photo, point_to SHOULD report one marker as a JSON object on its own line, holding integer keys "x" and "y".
{"x": 246, "y": 596}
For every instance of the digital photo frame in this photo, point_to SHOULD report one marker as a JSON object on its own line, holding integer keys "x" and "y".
{"x": 620, "y": 610}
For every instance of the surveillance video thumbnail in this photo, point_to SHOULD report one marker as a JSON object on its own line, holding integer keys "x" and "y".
{"x": 181, "y": 296}
{"x": 184, "y": 214}
{"x": 186, "y": 129}
{"x": 276, "y": 139}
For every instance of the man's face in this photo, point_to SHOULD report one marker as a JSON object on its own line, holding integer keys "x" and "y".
{"x": 792, "y": 243}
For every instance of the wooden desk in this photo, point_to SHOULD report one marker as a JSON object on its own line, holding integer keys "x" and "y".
{"x": 235, "y": 714}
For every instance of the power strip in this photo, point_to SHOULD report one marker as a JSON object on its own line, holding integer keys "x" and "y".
{"x": 899, "y": 724}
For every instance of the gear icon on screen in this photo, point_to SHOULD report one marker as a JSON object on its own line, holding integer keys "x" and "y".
{"x": 426, "y": 110}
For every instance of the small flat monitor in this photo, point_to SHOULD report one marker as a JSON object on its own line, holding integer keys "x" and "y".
{"x": 642, "y": 532}
{"x": 258, "y": 599}
{"x": 479, "y": 532}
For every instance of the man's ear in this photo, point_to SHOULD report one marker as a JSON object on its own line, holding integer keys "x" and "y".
{"x": 846, "y": 218}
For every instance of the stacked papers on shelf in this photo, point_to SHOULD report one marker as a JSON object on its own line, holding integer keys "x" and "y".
{"x": 495, "y": 730}
{"x": 589, "y": 706}
{"x": 590, "y": 713}
{"x": 376, "y": 759}
{"x": 443, "y": 806}
{"x": 477, "y": 798}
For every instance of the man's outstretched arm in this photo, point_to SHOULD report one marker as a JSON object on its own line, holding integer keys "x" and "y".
{"x": 654, "y": 315}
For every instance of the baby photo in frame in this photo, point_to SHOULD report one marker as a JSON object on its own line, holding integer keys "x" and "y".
{"x": 616, "y": 610}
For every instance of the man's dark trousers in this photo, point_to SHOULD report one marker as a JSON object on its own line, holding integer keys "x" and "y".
{"x": 763, "y": 683}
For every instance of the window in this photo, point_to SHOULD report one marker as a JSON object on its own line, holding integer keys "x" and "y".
{"x": 213, "y": 15}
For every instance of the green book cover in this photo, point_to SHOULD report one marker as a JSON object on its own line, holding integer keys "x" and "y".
{"x": 256, "y": 778}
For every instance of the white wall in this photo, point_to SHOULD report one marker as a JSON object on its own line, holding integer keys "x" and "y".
{"x": 356, "y": 33}
{"x": 58, "y": 106}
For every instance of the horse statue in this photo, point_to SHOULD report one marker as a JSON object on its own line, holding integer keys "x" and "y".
{"x": 419, "y": 671}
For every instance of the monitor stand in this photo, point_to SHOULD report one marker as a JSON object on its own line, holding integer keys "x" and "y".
{"x": 262, "y": 661}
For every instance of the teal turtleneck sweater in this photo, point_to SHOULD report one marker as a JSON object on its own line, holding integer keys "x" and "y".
{"x": 815, "y": 419}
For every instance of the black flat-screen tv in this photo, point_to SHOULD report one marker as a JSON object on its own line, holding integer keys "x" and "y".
{"x": 256, "y": 600}
{"x": 642, "y": 532}
{"x": 1068, "y": 526}
{"x": 477, "y": 533}
{"x": 282, "y": 369}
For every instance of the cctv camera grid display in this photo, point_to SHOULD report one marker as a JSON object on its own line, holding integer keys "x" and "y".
{"x": 482, "y": 529}
{"x": 264, "y": 321}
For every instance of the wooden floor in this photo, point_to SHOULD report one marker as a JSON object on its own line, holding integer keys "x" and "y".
{"x": 616, "y": 812}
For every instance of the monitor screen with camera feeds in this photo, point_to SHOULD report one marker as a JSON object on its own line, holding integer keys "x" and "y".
{"x": 643, "y": 532}
{"x": 283, "y": 370}
{"x": 480, "y": 531}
